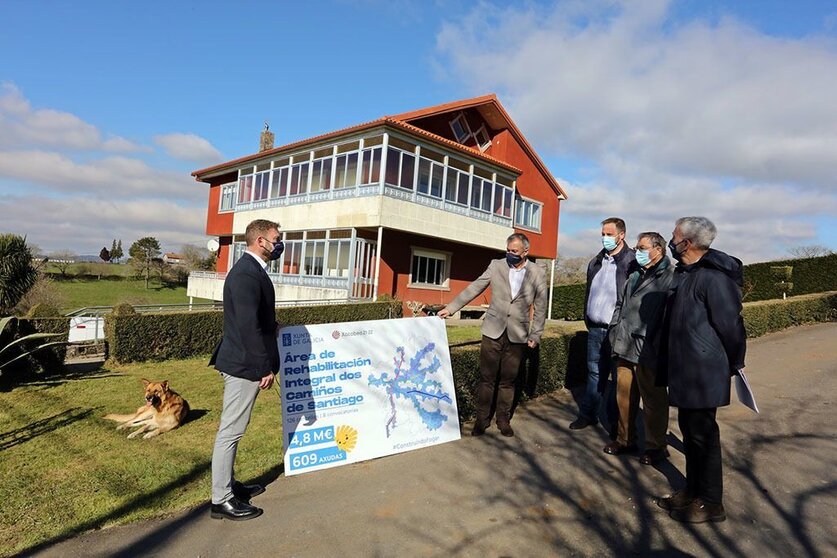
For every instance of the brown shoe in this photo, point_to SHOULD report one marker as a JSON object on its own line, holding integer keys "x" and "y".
{"x": 676, "y": 501}
{"x": 654, "y": 456}
{"x": 615, "y": 448}
{"x": 699, "y": 511}
{"x": 505, "y": 429}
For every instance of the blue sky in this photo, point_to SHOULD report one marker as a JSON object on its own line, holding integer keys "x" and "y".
{"x": 647, "y": 110}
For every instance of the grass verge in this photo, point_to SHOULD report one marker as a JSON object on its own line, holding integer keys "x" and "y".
{"x": 66, "y": 470}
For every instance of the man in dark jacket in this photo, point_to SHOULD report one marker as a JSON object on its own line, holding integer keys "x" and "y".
{"x": 606, "y": 275}
{"x": 706, "y": 346}
{"x": 248, "y": 359}
{"x": 635, "y": 338}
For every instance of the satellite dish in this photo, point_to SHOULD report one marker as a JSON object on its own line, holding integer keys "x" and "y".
{"x": 212, "y": 245}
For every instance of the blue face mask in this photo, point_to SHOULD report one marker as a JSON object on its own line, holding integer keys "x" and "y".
{"x": 513, "y": 259}
{"x": 276, "y": 253}
{"x": 609, "y": 242}
{"x": 643, "y": 257}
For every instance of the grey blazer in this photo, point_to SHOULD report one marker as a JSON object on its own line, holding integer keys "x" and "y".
{"x": 506, "y": 313}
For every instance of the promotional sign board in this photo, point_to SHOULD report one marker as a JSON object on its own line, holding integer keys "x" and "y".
{"x": 358, "y": 390}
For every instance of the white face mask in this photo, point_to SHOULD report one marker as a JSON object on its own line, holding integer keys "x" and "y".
{"x": 609, "y": 242}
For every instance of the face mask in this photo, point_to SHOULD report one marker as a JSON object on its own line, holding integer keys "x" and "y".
{"x": 276, "y": 253}
{"x": 643, "y": 257}
{"x": 513, "y": 259}
{"x": 673, "y": 248}
{"x": 609, "y": 242}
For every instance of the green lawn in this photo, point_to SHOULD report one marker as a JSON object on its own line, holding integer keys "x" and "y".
{"x": 91, "y": 292}
{"x": 66, "y": 470}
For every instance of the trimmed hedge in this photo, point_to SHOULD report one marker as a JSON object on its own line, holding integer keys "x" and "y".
{"x": 773, "y": 315}
{"x": 810, "y": 275}
{"x": 141, "y": 337}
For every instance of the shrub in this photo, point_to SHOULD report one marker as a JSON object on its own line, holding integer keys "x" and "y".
{"x": 809, "y": 275}
{"x": 568, "y": 302}
{"x": 44, "y": 294}
{"x": 773, "y": 315}
{"x": 140, "y": 337}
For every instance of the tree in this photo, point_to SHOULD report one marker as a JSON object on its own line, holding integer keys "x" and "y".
{"x": 197, "y": 258}
{"x": 810, "y": 251}
{"x": 62, "y": 259}
{"x": 143, "y": 252}
{"x": 17, "y": 271}
{"x": 569, "y": 271}
{"x": 116, "y": 251}
{"x": 104, "y": 255}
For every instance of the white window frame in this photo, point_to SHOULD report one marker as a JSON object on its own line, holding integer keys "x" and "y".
{"x": 463, "y": 124}
{"x": 231, "y": 189}
{"x": 436, "y": 255}
{"x": 487, "y": 143}
{"x": 534, "y": 203}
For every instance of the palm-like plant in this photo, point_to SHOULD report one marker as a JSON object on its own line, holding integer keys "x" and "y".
{"x": 7, "y": 330}
{"x": 17, "y": 271}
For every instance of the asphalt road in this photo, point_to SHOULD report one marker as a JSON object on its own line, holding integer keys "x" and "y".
{"x": 550, "y": 491}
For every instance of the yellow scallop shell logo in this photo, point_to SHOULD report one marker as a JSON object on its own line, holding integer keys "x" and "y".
{"x": 346, "y": 438}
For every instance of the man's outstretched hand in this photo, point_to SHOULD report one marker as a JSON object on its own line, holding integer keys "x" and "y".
{"x": 443, "y": 313}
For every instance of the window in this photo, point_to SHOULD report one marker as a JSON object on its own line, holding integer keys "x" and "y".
{"x": 461, "y": 130}
{"x": 279, "y": 186}
{"x": 400, "y": 168}
{"x": 321, "y": 175}
{"x": 481, "y": 194}
{"x": 261, "y": 186}
{"x": 430, "y": 178}
{"x": 338, "y": 258}
{"x": 483, "y": 139}
{"x": 429, "y": 268}
{"x": 371, "y": 170}
{"x": 502, "y": 200}
{"x": 299, "y": 178}
{"x": 528, "y": 214}
{"x": 345, "y": 171}
{"x": 228, "y": 192}
{"x": 245, "y": 189}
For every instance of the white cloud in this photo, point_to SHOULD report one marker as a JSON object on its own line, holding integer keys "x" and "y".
{"x": 21, "y": 126}
{"x": 111, "y": 177}
{"x": 85, "y": 224}
{"x": 678, "y": 118}
{"x": 189, "y": 147}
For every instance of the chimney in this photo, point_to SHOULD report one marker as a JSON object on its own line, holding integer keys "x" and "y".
{"x": 266, "y": 138}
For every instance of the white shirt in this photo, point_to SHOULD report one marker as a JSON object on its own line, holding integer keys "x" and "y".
{"x": 516, "y": 277}
{"x": 602, "y": 300}
{"x": 258, "y": 259}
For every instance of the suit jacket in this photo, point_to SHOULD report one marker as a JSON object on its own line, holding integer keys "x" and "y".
{"x": 504, "y": 312}
{"x": 248, "y": 348}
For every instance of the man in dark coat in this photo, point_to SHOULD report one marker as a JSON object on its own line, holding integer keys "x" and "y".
{"x": 706, "y": 346}
{"x": 634, "y": 336}
{"x": 248, "y": 359}
{"x": 606, "y": 275}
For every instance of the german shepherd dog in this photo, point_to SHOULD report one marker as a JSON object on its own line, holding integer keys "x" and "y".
{"x": 164, "y": 410}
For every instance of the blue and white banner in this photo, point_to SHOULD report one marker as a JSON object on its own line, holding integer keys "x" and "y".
{"x": 359, "y": 390}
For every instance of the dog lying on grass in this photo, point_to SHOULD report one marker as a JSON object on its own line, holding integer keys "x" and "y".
{"x": 164, "y": 410}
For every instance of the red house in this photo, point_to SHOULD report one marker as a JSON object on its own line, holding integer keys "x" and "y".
{"x": 412, "y": 205}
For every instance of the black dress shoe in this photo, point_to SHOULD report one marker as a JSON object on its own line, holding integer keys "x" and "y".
{"x": 505, "y": 429}
{"x": 246, "y": 491}
{"x": 234, "y": 509}
{"x": 654, "y": 456}
{"x": 582, "y": 422}
{"x": 676, "y": 501}
{"x": 478, "y": 430}
{"x": 699, "y": 511}
{"x": 615, "y": 448}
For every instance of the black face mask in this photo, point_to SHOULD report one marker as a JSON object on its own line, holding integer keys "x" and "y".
{"x": 276, "y": 253}
{"x": 673, "y": 248}
{"x": 513, "y": 259}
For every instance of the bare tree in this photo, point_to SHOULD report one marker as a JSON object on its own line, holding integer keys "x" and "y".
{"x": 569, "y": 271}
{"x": 810, "y": 251}
{"x": 62, "y": 260}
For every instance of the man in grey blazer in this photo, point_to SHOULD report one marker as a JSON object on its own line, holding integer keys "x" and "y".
{"x": 509, "y": 325}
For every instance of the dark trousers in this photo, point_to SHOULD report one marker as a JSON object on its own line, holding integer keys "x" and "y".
{"x": 702, "y": 443}
{"x": 499, "y": 359}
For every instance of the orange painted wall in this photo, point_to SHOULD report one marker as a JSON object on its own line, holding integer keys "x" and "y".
{"x": 531, "y": 184}
{"x": 223, "y": 254}
{"x": 467, "y": 263}
{"x": 218, "y": 224}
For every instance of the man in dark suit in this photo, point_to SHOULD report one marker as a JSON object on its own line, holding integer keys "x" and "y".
{"x": 247, "y": 358}
{"x": 706, "y": 347}
{"x": 515, "y": 319}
